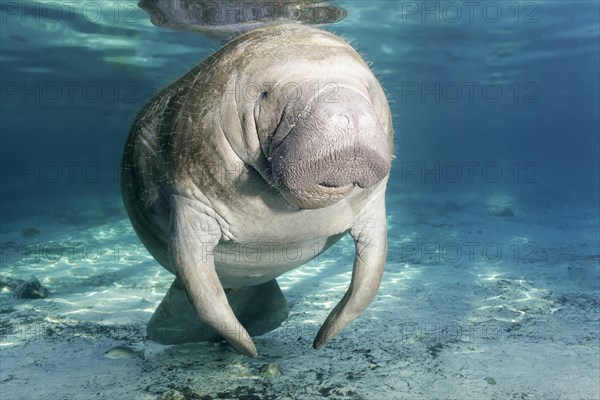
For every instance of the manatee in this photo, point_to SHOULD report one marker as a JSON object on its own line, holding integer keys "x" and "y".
{"x": 281, "y": 139}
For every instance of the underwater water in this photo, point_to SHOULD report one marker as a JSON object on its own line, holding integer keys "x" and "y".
{"x": 492, "y": 285}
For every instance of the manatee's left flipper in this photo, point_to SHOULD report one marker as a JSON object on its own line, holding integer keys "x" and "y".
{"x": 370, "y": 238}
{"x": 192, "y": 238}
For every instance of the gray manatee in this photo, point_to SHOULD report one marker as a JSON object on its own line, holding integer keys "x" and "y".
{"x": 280, "y": 140}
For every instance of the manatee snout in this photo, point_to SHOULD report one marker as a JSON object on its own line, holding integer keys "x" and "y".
{"x": 335, "y": 144}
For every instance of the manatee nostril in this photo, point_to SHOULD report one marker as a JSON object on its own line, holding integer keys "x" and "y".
{"x": 341, "y": 120}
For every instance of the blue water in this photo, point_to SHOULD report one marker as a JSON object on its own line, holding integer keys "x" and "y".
{"x": 497, "y": 133}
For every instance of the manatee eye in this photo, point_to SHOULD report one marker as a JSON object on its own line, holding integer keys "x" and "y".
{"x": 264, "y": 95}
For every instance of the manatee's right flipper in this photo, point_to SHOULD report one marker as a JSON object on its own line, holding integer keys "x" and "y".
{"x": 260, "y": 309}
{"x": 192, "y": 237}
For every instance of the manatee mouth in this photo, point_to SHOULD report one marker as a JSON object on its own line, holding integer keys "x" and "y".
{"x": 323, "y": 150}
{"x": 318, "y": 196}
{"x": 316, "y": 178}
{"x": 296, "y": 185}
{"x": 327, "y": 186}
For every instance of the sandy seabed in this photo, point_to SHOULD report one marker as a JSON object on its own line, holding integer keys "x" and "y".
{"x": 475, "y": 303}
